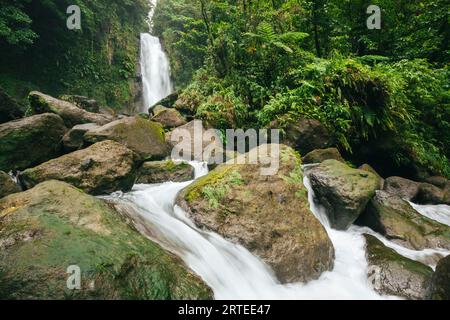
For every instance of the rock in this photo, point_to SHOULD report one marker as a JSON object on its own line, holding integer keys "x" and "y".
{"x": 306, "y": 135}
{"x": 169, "y": 118}
{"x": 54, "y": 225}
{"x": 368, "y": 168}
{"x": 103, "y": 168}
{"x": 70, "y": 113}
{"x": 30, "y": 141}
{"x": 320, "y": 155}
{"x": 82, "y": 102}
{"x": 195, "y": 143}
{"x": 7, "y": 185}
{"x": 163, "y": 171}
{"x": 430, "y": 194}
{"x": 157, "y": 109}
{"x": 393, "y": 274}
{"x": 343, "y": 191}
{"x": 74, "y": 138}
{"x": 144, "y": 137}
{"x": 267, "y": 214}
{"x": 440, "y": 283}
{"x": 396, "y": 219}
{"x": 437, "y": 181}
{"x": 9, "y": 108}
{"x": 167, "y": 102}
{"x": 404, "y": 188}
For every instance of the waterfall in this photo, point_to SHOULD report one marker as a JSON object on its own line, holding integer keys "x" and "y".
{"x": 155, "y": 69}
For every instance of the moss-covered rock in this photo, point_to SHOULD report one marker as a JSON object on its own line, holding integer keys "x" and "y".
{"x": 103, "y": 168}
{"x": 144, "y": 137}
{"x": 30, "y": 141}
{"x": 440, "y": 283}
{"x": 369, "y": 168}
{"x": 343, "y": 191}
{"x": 396, "y": 219}
{"x": 69, "y": 112}
{"x": 45, "y": 230}
{"x": 74, "y": 138}
{"x": 393, "y": 274}
{"x": 7, "y": 185}
{"x": 163, "y": 171}
{"x": 82, "y": 102}
{"x": 320, "y": 155}
{"x": 269, "y": 215}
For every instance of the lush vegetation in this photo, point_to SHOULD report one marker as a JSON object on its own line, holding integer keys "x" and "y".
{"x": 259, "y": 63}
{"x": 37, "y": 51}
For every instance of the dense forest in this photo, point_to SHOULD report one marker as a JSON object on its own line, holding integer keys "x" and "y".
{"x": 259, "y": 63}
{"x": 38, "y": 52}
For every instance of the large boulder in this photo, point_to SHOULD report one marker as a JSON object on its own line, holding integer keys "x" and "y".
{"x": 7, "y": 185}
{"x": 167, "y": 102}
{"x": 404, "y": 188}
{"x": 30, "y": 141}
{"x": 369, "y": 168}
{"x": 192, "y": 142}
{"x": 393, "y": 274}
{"x": 440, "y": 283}
{"x": 320, "y": 155}
{"x": 169, "y": 118}
{"x": 103, "y": 168}
{"x": 144, "y": 137}
{"x": 397, "y": 220}
{"x": 74, "y": 138}
{"x": 82, "y": 102}
{"x": 163, "y": 171}
{"x": 52, "y": 231}
{"x": 306, "y": 135}
{"x": 69, "y": 112}
{"x": 342, "y": 190}
{"x": 430, "y": 194}
{"x": 267, "y": 214}
{"x": 9, "y": 108}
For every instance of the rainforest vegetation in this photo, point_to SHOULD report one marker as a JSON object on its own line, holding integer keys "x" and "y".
{"x": 259, "y": 63}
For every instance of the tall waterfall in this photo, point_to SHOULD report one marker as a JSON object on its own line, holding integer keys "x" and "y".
{"x": 155, "y": 69}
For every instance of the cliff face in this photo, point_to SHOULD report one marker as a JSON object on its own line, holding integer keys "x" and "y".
{"x": 100, "y": 61}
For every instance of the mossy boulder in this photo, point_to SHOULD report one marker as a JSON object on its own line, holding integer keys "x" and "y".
{"x": 267, "y": 214}
{"x": 167, "y": 102}
{"x": 440, "y": 283}
{"x": 74, "y": 138}
{"x": 144, "y": 137}
{"x": 430, "y": 194}
{"x": 397, "y": 220}
{"x": 10, "y": 109}
{"x": 30, "y": 141}
{"x": 342, "y": 190}
{"x": 169, "y": 118}
{"x": 7, "y": 185}
{"x": 163, "y": 171}
{"x": 82, "y": 102}
{"x": 69, "y": 112}
{"x": 393, "y": 274}
{"x": 320, "y": 155}
{"x": 102, "y": 168}
{"x": 369, "y": 168}
{"x": 45, "y": 230}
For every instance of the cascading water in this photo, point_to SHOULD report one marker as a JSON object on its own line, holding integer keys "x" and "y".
{"x": 155, "y": 69}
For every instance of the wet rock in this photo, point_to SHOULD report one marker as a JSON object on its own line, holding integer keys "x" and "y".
{"x": 163, "y": 171}
{"x": 343, "y": 191}
{"x": 440, "y": 283}
{"x": 320, "y": 155}
{"x": 267, "y": 214}
{"x": 144, "y": 137}
{"x": 430, "y": 194}
{"x": 103, "y": 168}
{"x": 30, "y": 141}
{"x": 7, "y": 185}
{"x": 397, "y": 220}
{"x": 404, "y": 188}
{"x": 54, "y": 225}
{"x": 69, "y": 112}
{"x": 392, "y": 274}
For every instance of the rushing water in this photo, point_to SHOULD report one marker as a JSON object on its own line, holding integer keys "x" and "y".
{"x": 155, "y": 69}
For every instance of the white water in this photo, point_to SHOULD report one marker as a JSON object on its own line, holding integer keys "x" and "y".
{"x": 155, "y": 69}
{"x": 439, "y": 213}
